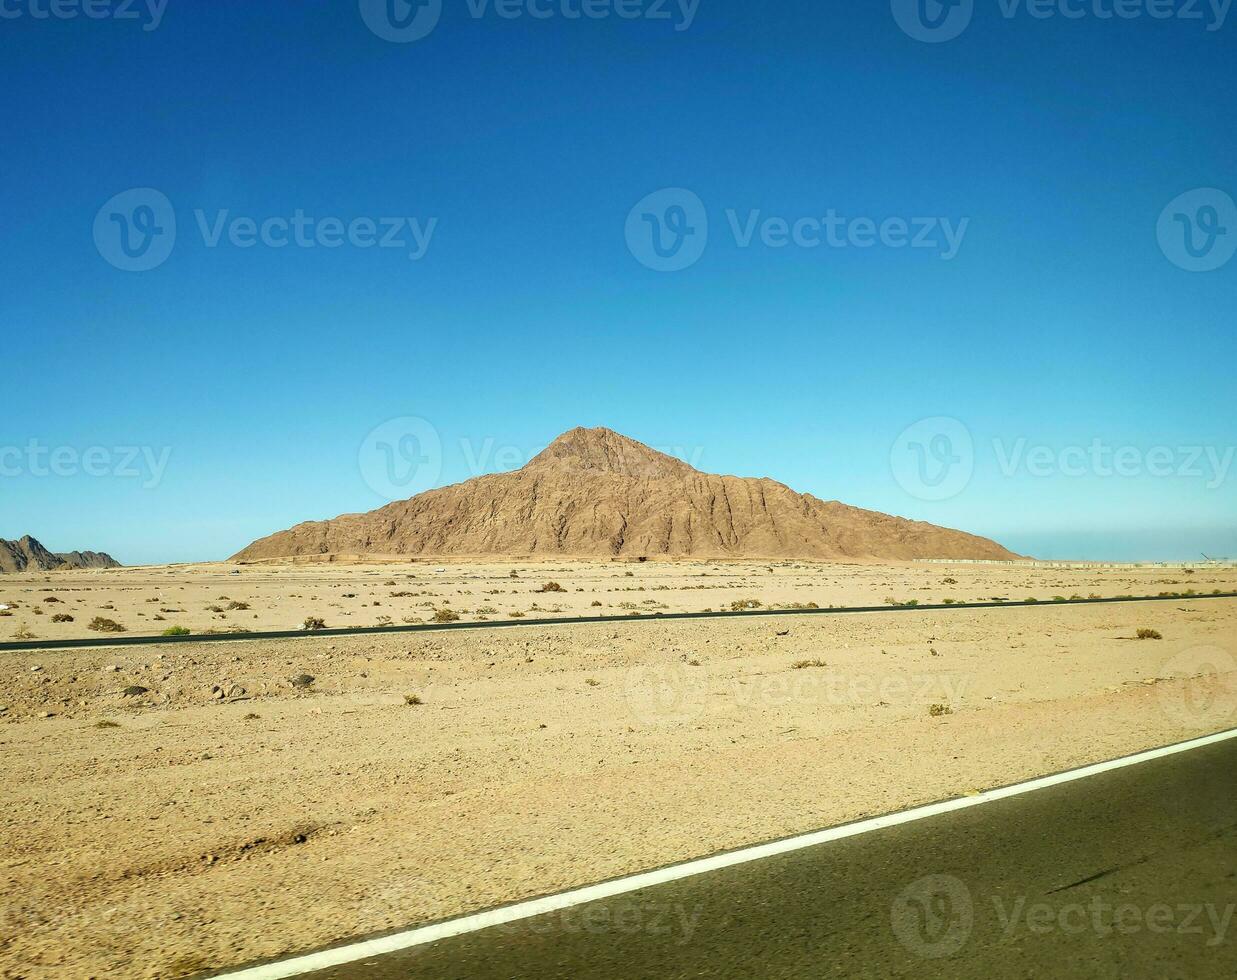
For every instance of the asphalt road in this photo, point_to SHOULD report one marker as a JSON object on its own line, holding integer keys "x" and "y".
{"x": 1125, "y": 874}
{"x": 114, "y": 640}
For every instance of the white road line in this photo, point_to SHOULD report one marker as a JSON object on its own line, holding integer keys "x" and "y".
{"x": 552, "y": 903}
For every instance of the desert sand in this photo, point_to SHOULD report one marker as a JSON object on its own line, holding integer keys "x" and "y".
{"x": 234, "y": 810}
{"x": 222, "y": 597}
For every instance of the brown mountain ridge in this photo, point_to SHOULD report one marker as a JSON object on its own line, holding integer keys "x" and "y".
{"x": 28, "y": 554}
{"x": 596, "y": 493}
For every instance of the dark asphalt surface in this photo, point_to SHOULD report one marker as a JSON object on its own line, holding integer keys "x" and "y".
{"x": 1128, "y": 874}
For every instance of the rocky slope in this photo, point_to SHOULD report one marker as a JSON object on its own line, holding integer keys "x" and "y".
{"x": 594, "y": 492}
{"x": 28, "y": 554}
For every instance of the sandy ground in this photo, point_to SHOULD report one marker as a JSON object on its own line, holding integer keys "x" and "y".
{"x": 223, "y": 597}
{"x": 225, "y": 815}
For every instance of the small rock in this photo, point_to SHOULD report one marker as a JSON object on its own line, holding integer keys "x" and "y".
{"x": 46, "y": 714}
{"x": 35, "y": 669}
{"x": 135, "y": 691}
{"x": 301, "y": 680}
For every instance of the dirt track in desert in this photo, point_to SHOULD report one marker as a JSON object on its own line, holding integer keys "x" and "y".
{"x": 227, "y": 814}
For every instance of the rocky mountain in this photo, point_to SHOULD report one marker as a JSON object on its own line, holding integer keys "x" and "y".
{"x": 28, "y": 554}
{"x": 595, "y": 493}
{"x": 88, "y": 559}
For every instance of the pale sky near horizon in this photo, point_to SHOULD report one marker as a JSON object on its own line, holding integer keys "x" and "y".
{"x": 966, "y": 282}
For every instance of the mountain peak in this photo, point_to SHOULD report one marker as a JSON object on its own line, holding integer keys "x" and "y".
{"x": 594, "y": 492}
{"x": 605, "y": 450}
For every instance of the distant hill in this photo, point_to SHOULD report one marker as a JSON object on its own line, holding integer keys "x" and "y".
{"x": 29, "y": 555}
{"x": 88, "y": 559}
{"x": 593, "y": 493}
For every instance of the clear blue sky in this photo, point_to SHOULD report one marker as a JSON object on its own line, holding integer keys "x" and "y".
{"x": 1060, "y": 322}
